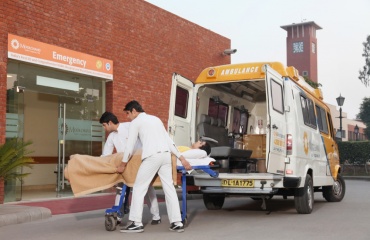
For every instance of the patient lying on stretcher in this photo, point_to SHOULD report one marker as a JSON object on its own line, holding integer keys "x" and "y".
{"x": 197, "y": 154}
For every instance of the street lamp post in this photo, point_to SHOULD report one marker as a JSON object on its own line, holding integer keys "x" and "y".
{"x": 356, "y": 132}
{"x": 340, "y": 101}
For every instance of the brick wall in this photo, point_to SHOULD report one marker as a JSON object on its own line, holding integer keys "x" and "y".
{"x": 146, "y": 44}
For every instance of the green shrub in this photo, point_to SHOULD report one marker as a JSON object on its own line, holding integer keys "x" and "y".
{"x": 354, "y": 152}
{"x": 13, "y": 155}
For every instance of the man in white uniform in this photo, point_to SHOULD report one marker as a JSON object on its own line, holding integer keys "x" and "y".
{"x": 156, "y": 158}
{"x": 117, "y": 138}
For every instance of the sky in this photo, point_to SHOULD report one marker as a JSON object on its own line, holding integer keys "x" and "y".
{"x": 254, "y": 28}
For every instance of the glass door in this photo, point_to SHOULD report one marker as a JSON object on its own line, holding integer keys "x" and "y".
{"x": 60, "y": 114}
{"x": 79, "y": 132}
{"x": 14, "y": 128}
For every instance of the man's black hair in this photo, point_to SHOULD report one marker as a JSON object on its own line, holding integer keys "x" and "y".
{"x": 206, "y": 147}
{"x": 108, "y": 116}
{"x": 133, "y": 104}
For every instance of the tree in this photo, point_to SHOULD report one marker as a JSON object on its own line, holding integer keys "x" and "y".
{"x": 312, "y": 83}
{"x": 364, "y": 115}
{"x": 365, "y": 73}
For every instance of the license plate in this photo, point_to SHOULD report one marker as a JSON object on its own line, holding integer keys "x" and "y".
{"x": 243, "y": 183}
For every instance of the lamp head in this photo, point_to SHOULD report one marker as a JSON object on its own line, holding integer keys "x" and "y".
{"x": 340, "y": 100}
{"x": 356, "y": 129}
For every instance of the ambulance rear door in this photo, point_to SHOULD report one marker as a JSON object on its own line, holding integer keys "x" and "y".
{"x": 180, "y": 112}
{"x": 276, "y": 122}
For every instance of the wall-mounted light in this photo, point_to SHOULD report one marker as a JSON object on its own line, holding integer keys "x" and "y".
{"x": 229, "y": 51}
{"x": 20, "y": 89}
{"x": 356, "y": 132}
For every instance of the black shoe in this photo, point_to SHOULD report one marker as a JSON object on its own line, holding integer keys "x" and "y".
{"x": 132, "y": 228}
{"x": 176, "y": 228}
{"x": 155, "y": 222}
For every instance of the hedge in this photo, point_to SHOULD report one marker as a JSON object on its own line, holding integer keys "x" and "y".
{"x": 354, "y": 152}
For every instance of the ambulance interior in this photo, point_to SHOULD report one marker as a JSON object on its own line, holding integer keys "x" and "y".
{"x": 235, "y": 114}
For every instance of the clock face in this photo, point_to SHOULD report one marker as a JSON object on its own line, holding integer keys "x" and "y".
{"x": 297, "y": 47}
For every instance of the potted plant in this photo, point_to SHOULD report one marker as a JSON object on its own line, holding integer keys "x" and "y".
{"x": 13, "y": 155}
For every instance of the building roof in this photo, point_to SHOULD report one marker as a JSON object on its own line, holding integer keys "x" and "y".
{"x": 285, "y": 27}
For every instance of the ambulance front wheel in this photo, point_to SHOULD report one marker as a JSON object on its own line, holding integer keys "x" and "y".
{"x": 213, "y": 202}
{"x": 110, "y": 223}
{"x": 304, "y": 198}
{"x": 336, "y": 192}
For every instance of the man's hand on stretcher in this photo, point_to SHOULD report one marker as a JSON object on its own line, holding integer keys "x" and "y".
{"x": 121, "y": 167}
{"x": 185, "y": 163}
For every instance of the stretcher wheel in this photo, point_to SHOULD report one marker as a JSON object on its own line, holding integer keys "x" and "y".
{"x": 110, "y": 223}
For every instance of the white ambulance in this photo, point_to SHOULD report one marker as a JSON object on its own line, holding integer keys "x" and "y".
{"x": 271, "y": 133}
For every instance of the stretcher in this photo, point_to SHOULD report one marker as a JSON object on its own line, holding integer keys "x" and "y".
{"x": 117, "y": 211}
{"x": 204, "y": 168}
{"x": 111, "y": 214}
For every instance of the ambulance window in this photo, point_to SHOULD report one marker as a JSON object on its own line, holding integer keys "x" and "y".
{"x": 218, "y": 110}
{"x": 308, "y": 112}
{"x": 277, "y": 96}
{"x": 311, "y": 112}
{"x": 321, "y": 120}
{"x": 240, "y": 121}
{"x": 331, "y": 126}
{"x": 236, "y": 121}
{"x": 181, "y": 102}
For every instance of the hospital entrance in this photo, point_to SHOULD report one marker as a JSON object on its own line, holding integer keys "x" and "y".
{"x": 59, "y": 113}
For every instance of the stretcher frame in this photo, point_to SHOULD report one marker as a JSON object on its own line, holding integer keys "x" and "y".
{"x": 111, "y": 214}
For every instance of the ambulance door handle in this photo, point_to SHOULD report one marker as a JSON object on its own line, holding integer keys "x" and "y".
{"x": 274, "y": 126}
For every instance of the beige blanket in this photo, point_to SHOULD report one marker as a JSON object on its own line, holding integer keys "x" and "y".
{"x": 88, "y": 174}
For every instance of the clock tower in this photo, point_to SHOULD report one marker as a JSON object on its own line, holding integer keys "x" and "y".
{"x": 301, "y": 45}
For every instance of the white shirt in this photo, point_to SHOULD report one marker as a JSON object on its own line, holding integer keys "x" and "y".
{"x": 118, "y": 139}
{"x": 153, "y": 136}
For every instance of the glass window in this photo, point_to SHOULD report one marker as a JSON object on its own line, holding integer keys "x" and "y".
{"x": 304, "y": 110}
{"x": 236, "y": 121}
{"x": 218, "y": 110}
{"x": 308, "y": 112}
{"x": 277, "y": 97}
{"x": 311, "y": 112}
{"x": 212, "y": 108}
{"x": 181, "y": 102}
{"x": 240, "y": 121}
{"x": 321, "y": 120}
{"x": 223, "y": 112}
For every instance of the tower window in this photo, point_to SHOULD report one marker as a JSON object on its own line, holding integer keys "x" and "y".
{"x": 313, "y": 48}
{"x": 305, "y": 73}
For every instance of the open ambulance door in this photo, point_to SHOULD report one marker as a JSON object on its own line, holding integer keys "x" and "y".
{"x": 276, "y": 122}
{"x": 180, "y": 113}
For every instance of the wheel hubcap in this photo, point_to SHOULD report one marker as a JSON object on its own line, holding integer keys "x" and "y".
{"x": 337, "y": 188}
{"x": 310, "y": 197}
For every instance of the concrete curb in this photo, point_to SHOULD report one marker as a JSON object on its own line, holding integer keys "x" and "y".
{"x": 14, "y": 214}
{"x": 357, "y": 177}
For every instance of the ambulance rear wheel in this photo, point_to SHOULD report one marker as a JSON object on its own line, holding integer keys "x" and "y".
{"x": 213, "y": 202}
{"x": 110, "y": 223}
{"x": 336, "y": 192}
{"x": 304, "y": 198}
